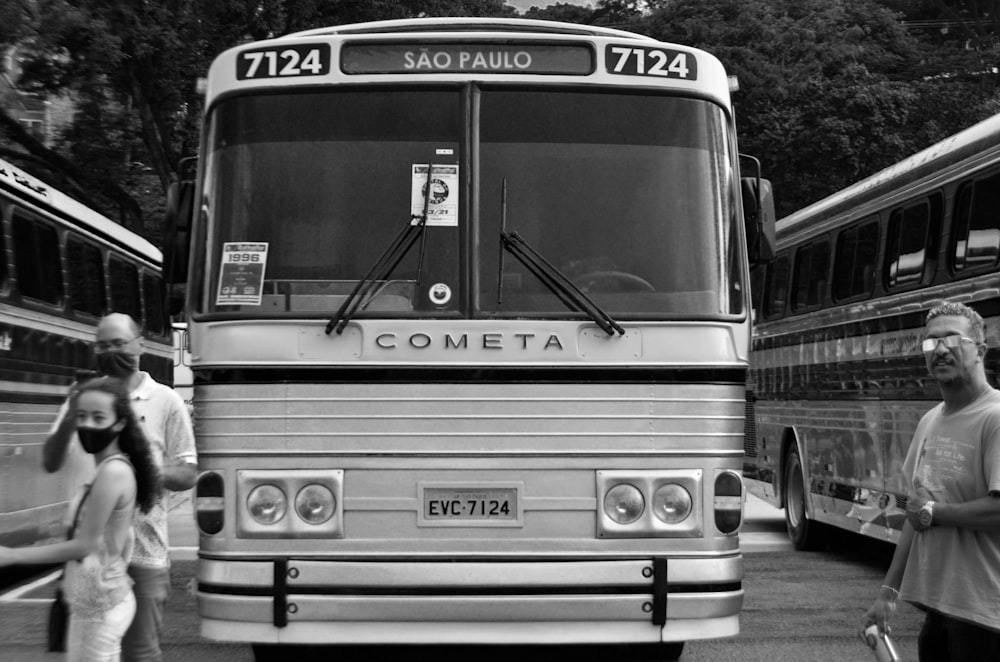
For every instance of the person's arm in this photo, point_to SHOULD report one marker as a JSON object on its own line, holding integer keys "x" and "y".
{"x": 180, "y": 462}
{"x": 981, "y": 514}
{"x": 180, "y": 476}
{"x": 885, "y": 603}
{"x": 56, "y": 444}
{"x": 113, "y": 481}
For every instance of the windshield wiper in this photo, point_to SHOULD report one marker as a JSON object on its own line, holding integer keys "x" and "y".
{"x": 386, "y": 263}
{"x": 557, "y": 282}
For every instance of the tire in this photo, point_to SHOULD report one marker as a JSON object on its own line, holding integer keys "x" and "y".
{"x": 673, "y": 650}
{"x": 804, "y": 533}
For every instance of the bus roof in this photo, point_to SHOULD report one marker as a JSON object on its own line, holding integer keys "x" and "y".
{"x": 27, "y": 187}
{"x": 460, "y": 49}
{"x": 979, "y": 139}
{"x": 467, "y": 24}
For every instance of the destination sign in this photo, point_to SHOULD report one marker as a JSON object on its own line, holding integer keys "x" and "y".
{"x": 466, "y": 57}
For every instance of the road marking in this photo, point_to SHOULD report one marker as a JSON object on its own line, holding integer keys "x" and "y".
{"x": 16, "y": 594}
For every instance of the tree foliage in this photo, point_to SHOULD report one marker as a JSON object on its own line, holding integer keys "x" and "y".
{"x": 831, "y": 90}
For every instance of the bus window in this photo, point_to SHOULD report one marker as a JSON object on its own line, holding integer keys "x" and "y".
{"x": 777, "y": 287}
{"x": 812, "y": 262}
{"x": 909, "y": 239}
{"x": 977, "y": 224}
{"x": 152, "y": 298}
{"x": 341, "y": 176}
{"x": 652, "y": 246}
{"x": 854, "y": 264}
{"x": 125, "y": 288}
{"x": 87, "y": 291}
{"x": 36, "y": 254}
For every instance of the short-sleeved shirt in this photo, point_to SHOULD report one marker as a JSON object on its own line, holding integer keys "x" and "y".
{"x": 167, "y": 425}
{"x": 956, "y": 458}
{"x": 165, "y": 421}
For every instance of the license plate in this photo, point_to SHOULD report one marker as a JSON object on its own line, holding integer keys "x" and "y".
{"x": 471, "y": 506}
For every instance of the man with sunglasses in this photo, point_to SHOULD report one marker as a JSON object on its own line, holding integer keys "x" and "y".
{"x": 167, "y": 425}
{"x": 947, "y": 560}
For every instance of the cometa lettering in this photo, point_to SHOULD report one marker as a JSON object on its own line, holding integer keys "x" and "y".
{"x": 466, "y": 341}
{"x": 426, "y": 60}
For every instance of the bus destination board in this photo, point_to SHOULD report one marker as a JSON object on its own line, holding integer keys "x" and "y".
{"x": 466, "y": 57}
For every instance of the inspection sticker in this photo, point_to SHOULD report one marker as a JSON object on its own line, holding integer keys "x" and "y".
{"x": 442, "y": 209}
{"x": 242, "y": 275}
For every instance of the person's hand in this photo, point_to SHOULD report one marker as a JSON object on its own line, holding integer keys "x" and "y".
{"x": 882, "y": 610}
{"x": 913, "y": 506}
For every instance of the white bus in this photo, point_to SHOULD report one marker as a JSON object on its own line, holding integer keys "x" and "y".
{"x": 469, "y": 325}
{"x": 838, "y": 373}
{"x": 62, "y": 266}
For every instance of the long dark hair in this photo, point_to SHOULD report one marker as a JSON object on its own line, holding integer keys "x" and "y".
{"x": 131, "y": 440}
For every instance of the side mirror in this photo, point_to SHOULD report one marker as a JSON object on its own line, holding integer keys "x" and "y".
{"x": 177, "y": 242}
{"x": 759, "y": 216}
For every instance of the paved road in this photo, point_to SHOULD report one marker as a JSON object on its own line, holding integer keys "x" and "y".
{"x": 799, "y": 607}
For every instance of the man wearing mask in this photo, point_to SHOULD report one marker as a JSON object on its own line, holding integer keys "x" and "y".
{"x": 167, "y": 425}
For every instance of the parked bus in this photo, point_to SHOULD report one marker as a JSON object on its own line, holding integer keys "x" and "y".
{"x": 469, "y": 328}
{"x": 62, "y": 266}
{"x": 183, "y": 377}
{"x": 838, "y": 372}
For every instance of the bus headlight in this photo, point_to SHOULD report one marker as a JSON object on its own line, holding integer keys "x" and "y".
{"x": 624, "y": 504}
{"x": 650, "y": 503}
{"x": 315, "y": 503}
{"x": 267, "y": 504}
{"x": 314, "y": 496}
{"x": 671, "y": 503}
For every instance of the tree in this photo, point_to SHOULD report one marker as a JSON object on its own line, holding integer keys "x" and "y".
{"x": 829, "y": 89}
{"x": 562, "y": 11}
{"x": 132, "y": 68}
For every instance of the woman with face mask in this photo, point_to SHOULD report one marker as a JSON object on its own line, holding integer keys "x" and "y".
{"x": 96, "y": 584}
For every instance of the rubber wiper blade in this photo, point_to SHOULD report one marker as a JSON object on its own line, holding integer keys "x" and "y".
{"x": 558, "y": 283}
{"x": 386, "y": 264}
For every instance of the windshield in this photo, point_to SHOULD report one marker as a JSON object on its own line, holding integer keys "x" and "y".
{"x": 627, "y": 195}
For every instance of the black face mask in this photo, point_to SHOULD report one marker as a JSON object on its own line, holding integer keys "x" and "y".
{"x": 95, "y": 440}
{"x": 116, "y": 364}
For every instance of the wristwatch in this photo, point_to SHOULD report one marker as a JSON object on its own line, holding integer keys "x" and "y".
{"x": 926, "y": 514}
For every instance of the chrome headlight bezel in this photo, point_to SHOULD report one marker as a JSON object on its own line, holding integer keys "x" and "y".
{"x": 291, "y": 482}
{"x": 649, "y": 525}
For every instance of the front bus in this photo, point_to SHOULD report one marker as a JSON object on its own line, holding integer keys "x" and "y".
{"x": 469, "y": 328}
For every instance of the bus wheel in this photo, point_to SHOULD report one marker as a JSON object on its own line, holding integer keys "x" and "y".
{"x": 672, "y": 651}
{"x": 804, "y": 533}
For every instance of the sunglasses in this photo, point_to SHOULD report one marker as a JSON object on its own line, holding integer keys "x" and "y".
{"x": 951, "y": 342}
